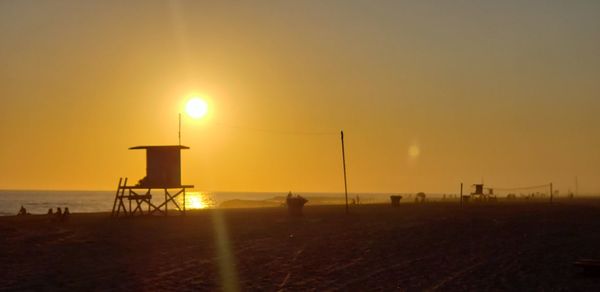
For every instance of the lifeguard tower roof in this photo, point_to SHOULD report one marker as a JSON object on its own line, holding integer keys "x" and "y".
{"x": 166, "y": 147}
{"x": 163, "y": 166}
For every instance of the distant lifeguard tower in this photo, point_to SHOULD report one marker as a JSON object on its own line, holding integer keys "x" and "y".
{"x": 163, "y": 172}
{"x": 480, "y": 195}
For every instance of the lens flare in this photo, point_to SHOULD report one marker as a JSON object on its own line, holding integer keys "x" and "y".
{"x": 414, "y": 151}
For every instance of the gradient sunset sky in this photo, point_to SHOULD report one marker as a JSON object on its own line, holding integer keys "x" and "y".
{"x": 428, "y": 93}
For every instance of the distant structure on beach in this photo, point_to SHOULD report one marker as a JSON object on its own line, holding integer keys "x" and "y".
{"x": 490, "y": 194}
{"x": 420, "y": 197}
{"x": 163, "y": 172}
{"x": 480, "y": 195}
{"x": 479, "y": 192}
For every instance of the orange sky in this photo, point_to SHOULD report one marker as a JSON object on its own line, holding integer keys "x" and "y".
{"x": 507, "y": 92}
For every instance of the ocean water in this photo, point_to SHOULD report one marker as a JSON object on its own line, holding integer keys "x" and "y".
{"x": 38, "y": 202}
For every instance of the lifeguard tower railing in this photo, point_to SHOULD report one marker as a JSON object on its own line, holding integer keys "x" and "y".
{"x": 137, "y": 200}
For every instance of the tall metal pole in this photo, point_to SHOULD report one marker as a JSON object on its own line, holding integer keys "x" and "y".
{"x": 461, "y": 194}
{"x": 344, "y": 163}
{"x": 179, "y": 133}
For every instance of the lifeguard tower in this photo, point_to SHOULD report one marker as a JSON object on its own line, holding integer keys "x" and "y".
{"x": 480, "y": 195}
{"x": 163, "y": 174}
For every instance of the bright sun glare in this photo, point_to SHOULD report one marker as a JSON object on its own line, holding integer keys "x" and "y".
{"x": 196, "y": 203}
{"x": 196, "y": 108}
{"x": 196, "y": 200}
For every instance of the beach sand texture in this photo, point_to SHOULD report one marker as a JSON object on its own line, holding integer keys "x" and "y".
{"x": 413, "y": 247}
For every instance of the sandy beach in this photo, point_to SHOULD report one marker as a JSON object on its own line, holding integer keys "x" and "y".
{"x": 435, "y": 246}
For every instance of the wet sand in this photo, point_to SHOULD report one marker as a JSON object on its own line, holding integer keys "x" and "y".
{"x": 503, "y": 246}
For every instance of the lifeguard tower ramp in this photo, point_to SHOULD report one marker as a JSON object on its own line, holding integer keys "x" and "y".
{"x": 163, "y": 175}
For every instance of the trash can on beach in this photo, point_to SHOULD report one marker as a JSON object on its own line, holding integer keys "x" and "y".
{"x": 395, "y": 200}
{"x": 295, "y": 204}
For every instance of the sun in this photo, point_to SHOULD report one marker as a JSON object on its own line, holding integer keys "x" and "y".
{"x": 196, "y": 108}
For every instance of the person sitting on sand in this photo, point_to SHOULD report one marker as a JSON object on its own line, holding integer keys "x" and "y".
{"x": 22, "y": 211}
{"x": 50, "y": 212}
{"x": 58, "y": 212}
{"x": 65, "y": 214}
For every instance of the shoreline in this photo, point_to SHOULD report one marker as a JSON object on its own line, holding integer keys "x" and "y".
{"x": 271, "y": 203}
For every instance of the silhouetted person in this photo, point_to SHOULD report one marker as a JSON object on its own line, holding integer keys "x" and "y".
{"x": 58, "y": 212}
{"x": 420, "y": 197}
{"x": 50, "y": 212}
{"x": 65, "y": 214}
{"x": 22, "y": 211}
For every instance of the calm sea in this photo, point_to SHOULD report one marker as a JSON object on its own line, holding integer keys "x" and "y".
{"x": 38, "y": 202}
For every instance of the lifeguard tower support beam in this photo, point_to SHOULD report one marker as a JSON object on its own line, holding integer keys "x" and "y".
{"x": 163, "y": 172}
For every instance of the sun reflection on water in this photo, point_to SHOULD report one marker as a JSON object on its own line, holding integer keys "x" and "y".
{"x": 198, "y": 200}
